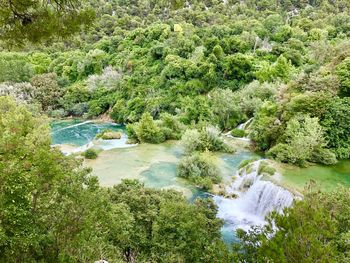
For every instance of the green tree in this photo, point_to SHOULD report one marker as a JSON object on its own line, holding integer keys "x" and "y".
{"x": 226, "y": 111}
{"x": 15, "y": 67}
{"x": 343, "y": 73}
{"x": 49, "y": 206}
{"x": 336, "y": 123}
{"x": 266, "y": 127}
{"x": 200, "y": 169}
{"x": 148, "y": 131}
{"x": 46, "y": 90}
{"x": 303, "y": 141}
{"x": 158, "y": 232}
{"x": 39, "y": 20}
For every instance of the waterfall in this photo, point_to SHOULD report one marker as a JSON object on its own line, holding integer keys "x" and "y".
{"x": 244, "y": 125}
{"x": 256, "y": 198}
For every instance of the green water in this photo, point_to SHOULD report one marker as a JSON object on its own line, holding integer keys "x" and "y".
{"x": 155, "y": 165}
{"x": 326, "y": 178}
{"x": 79, "y": 133}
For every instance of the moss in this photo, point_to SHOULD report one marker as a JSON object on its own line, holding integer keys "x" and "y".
{"x": 247, "y": 161}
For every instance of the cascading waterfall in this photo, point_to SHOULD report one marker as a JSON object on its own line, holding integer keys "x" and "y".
{"x": 241, "y": 126}
{"x": 244, "y": 125}
{"x": 256, "y": 198}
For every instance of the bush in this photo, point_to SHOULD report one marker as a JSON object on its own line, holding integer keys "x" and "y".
{"x": 46, "y": 90}
{"x": 191, "y": 140}
{"x": 79, "y": 109}
{"x": 130, "y": 131}
{"x": 171, "y": 127}
{"x": 21, "y": 92}
{"x": 57, "y": 114}
{"x": 207, "y": 139}
{"x": 109, "y": 135}
{"x": 199, "y": 168}
{"x": 75, "y": 99}
{"x": 303, "y": 142}
{"x": 90, "y": 154}
{"x": 238, "y": 133}
{"x": 15, "y": 67}
{"x": 148, "y": 131}
{"x": 264, "y": 168}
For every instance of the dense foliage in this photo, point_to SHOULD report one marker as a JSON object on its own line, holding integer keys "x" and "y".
{"x": 38, "y": 20}
{"x": 52, "y": 210}
{"x": 170, "y": 70}
{"x": 217, "y": 62}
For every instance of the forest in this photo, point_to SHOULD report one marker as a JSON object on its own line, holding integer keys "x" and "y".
{"x": 188, "y": 71}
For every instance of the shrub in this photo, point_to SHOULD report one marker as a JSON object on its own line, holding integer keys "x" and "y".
{"x": 57, "y": 114}
{"x": 303, "y": 142}
{"x": 171, "y": 127}
{"x": 79, "y": 109}
{"x": 265, "y": 168}
{"x": 336, "y": 123}
{"x": 108, "y": 79}
{"x": 199, "y": 168}
{"x": 109, "y": 134}
{"x": 130, "y": 131}
{"x": 21, "y": 92}
{"x": 191, "y": 140}
{"x": 90, "y": 154}
{"x": 75, "y": 99}
{"x": 212, "y": 140}
{"x": 148, "y": 131}
{"x": 46, "y": 90}
{"x": 238, "y": 133}
{"x": 207, "y": 139}
{"x": 15, "y": 67}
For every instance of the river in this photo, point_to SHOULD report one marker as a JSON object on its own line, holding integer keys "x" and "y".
{"x": 155, "y": 166}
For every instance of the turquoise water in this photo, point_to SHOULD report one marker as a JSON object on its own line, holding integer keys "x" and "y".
{"x": 79, "y": 133}
{"x": 231, "y": 162}
{"x": 155, "y": 164}
{"x": 326, "y": 178}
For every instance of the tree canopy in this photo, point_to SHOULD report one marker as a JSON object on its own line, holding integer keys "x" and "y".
{"x": 41, "y": 20}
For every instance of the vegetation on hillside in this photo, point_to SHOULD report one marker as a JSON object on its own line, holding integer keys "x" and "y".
{"x": 211, "y": 62}
{"x": 170, "y": 70}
